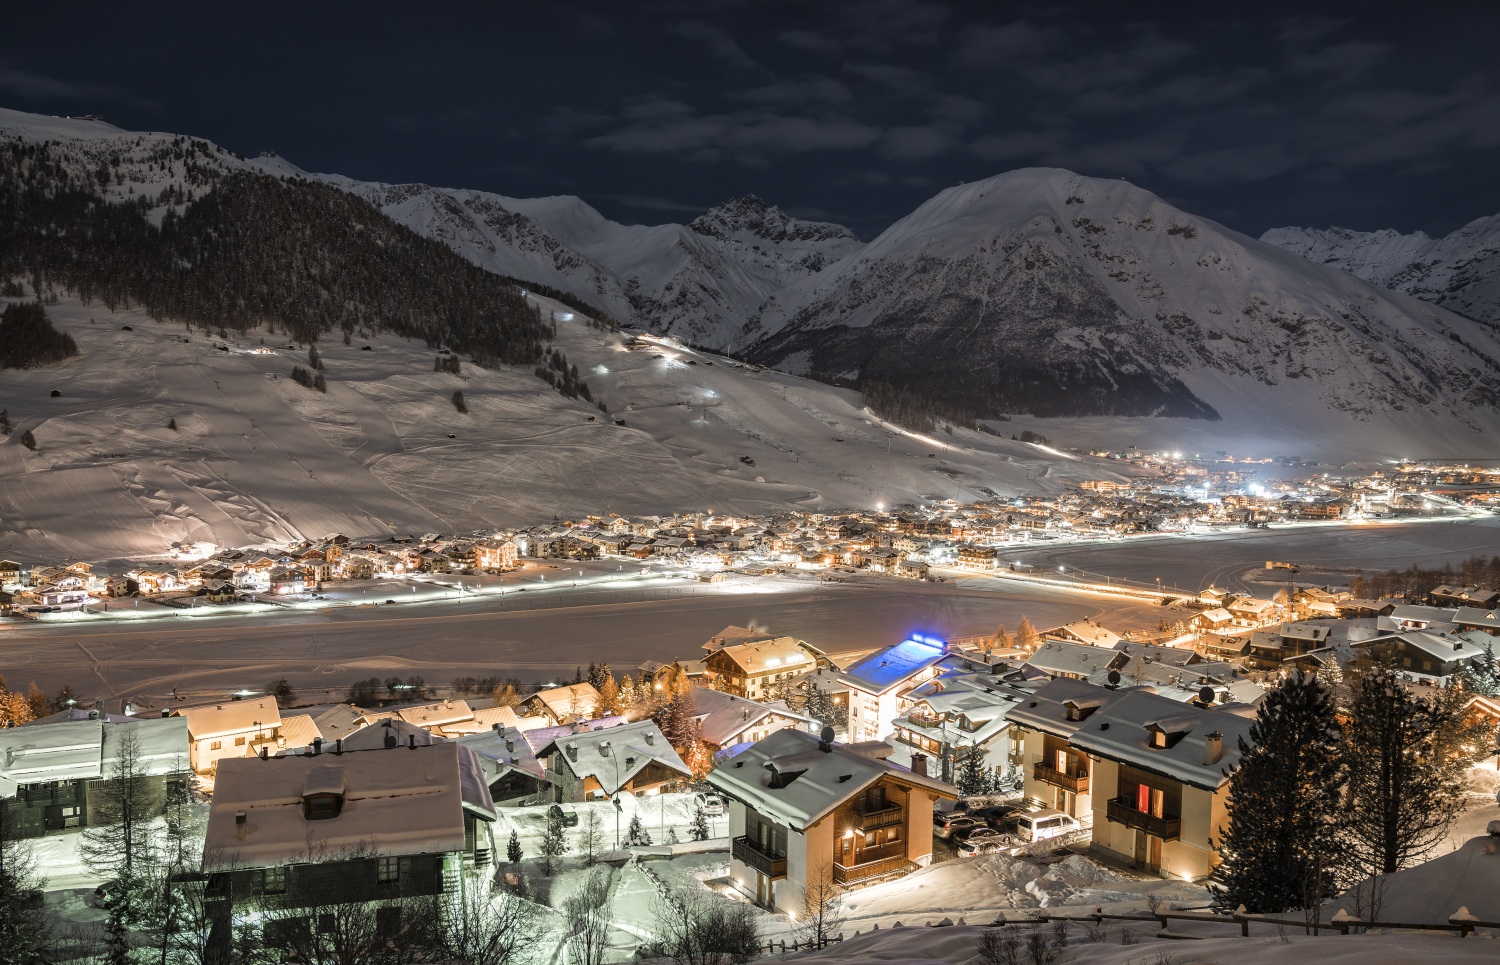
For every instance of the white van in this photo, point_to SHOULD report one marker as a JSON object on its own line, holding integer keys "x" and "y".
{"x": 1044, "y": 824}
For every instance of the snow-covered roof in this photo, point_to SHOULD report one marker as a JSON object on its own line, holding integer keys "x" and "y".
{"x": 230, "y": 717}
{"x": 161, "y": 744}
{"x": 614, "y": 755}
{"x": 767, "y": 656}
{"x": 1048, "y": 709}
{"x": 1059, "y": 657}
{"x": 1470, "y": 616}
{"x": 341, "y": 721}
{"x": 390, "y": 732}
{"x": 437, "y": 714}
{"x": 397, "y": 801}
{"x": 485, "y": 718}
{"x": 501, "y": 751}
{"x": 814, "y": 781}
{"x": 1446, "y": 647}
{"x": 724, "y": 717}
{"x": 66, "y": 751}
{"x": 1086, "y": 632}
{"x": 1122, "y": 732}
{"x": 889, "y": 668}
{"x": 568, "y": 700}
{"x": 732, "y": 636}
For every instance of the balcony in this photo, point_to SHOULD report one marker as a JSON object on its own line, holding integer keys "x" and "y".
{"x": 1077, "y": 783}
{"x": 1167, "y": 828}
{"x": 773, "y": 866}
{"x": 879, "y": 816}
{"x": 873, "y": 863}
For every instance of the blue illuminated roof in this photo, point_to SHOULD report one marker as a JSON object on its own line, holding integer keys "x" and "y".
{"x": 881, "y": 671}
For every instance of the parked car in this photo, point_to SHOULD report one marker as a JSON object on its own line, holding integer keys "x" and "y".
{"x": 710, "y": 803}
{"x": 950, "y": 825}
{"x": 946, "y": 805}
{"x": 1044, "y": 824}
{"x": 982, "y": 840}
{"x": 1001, "y": 817}
{"x": 568, "y": 816}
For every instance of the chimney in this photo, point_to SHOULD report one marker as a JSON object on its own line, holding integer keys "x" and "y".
{"x": 93, "y": 715}
{"x": 317, "y": 746}
{"x": 510, "y": 745}
{"x": 773, "y": 776}
{"x": 572, "y": 752}
{"x": 390, "y": 739}
{"x": 919, "y": 765}
{"x": 498, "y": 727}
{"x": 1213, "y": 748}
{"x": 338, "y": 746}
{"x": 411, "y": 741}
{"x": 263, "y": 750}
{"x": 650, "y": 738}
{"x": 166, "y": 712}
{"x": 239, "y": 818}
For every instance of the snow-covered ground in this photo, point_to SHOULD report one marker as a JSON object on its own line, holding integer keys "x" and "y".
{"x": 257, "y": 458}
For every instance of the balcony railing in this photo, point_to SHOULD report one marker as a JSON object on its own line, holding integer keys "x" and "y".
{"x": 872, "y": 816}
{"x": 1077, "y": 783}
{"x": 771, "y": 865}
{"x": 1167, "y": 828}
{"x": 866, "y": 870}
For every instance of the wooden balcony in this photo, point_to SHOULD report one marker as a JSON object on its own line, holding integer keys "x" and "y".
{"x": 869, "y": 870}
{"x": 1167, "y": 828}
{"x": 1078, "y": 784}
{"x": 773, "y": 866}
{"x": 883, "y": 816}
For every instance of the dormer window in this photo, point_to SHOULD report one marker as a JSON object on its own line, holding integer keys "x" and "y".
{"x": 322, "y": 807}
{"x": 1161, "y": 737}
{"x": 1076, "y": 711}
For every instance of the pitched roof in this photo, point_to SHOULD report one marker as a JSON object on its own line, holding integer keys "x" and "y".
{"x": 397, "y": 801}
{"x": 1048, "y": 708}
{"x": 1121, "y": 732}
{"x": 614, "y": 755}
{"x": 503, "y": 750}
{"x": 1061, "y": 657}
{"x": 723, "y": 717}
{"x": 230, "y": 717}
{"x": 765, "y": 656}
{"x": 815, "y": 781}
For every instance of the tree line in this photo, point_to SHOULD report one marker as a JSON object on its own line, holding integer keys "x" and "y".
{"x": 911, "y": 409}
{"x": 1415, "y": 582}
{"x": 254, "y": 251}
{"x": 28, "y": 340}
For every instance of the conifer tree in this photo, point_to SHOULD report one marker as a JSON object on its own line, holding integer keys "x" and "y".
{"x": 637, "y": 835}
{"x": 172, "y": 423}
{"x": 698, "y": 830}
{"x": 513, "y": 852}
{"x": 459, "y": 403}
{"x": 1026, "y": 636}
{"x": 554, "y": 843}
{"x": 28, "y": 440}
{"x": 971, "y": 778}
{"x": 609, "y": 698}
{"x": 5, "y": 423}
{"x": 1407, "y": 759}
{"x": 1281, "y": 848}
{"x": 118, "y": 844}
{"x": 24, "y": 923}
{"x": 320, "y": 383}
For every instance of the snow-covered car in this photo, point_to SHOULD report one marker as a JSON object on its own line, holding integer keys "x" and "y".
{"x": 567, "y": 816}
{"x": 709, "y": 803}
{"x": 1001, "y": 817}
{"x": 1044, "y": 824}
{"x": 982, "y": 840}
{"x": 948, "y": 826}
{"x": 946, "y": 805}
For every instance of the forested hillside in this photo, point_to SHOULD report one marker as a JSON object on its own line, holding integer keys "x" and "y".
{"x": 302, "y": 258}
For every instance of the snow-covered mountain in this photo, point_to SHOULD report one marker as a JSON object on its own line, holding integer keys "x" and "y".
{"x": 1046, "y": 292}
{"x": 701, "y": 282}
{"x": 1460, "y": 271}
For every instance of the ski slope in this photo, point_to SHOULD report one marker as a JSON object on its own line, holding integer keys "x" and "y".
{"x": 258, "y": 459}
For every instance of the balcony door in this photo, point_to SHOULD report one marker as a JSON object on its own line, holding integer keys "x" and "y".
{"x": 1148, "y": 800}
{"x": 847, "y": 851}
{"x": 1147, "y": 851}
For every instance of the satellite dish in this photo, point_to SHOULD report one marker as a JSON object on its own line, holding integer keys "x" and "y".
{"x": 1114, "y": 678}
{"x": 1206, "y": 695}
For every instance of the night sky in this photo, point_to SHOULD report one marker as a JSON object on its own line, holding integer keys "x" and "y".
{"x": 855, "y": 112}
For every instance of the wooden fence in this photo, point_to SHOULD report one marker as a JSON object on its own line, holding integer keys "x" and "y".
{"x": 1340, "y": 924}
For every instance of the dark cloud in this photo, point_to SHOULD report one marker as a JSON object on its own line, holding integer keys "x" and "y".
{"x": 32, "y": 85}
{"x": 716, "y": 42}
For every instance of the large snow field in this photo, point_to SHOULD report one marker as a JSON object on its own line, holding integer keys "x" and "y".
{"x": 256, "y": 458}
{"x": 543, "y": 634}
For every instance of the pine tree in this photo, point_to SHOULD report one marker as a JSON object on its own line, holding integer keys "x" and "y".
{"x": 28, "y": 440}
{"x": 972, "y": 779}
{"x": 609, "y": 698}
{"x": 116, "y": 937}
{"x": 591, "y": 837}
{"x": 459, "y": 403}
{"x": 554, "y": 843}
{"x": 513, "y": 852}
{"x": 172, "y": 423}
{"x": 1407, "y": 764}
{"x": 320, "y": 383}
{"x": 1281, "y": 848}
{"x": 629, "y": 695}
{"x": 698, "y": 830}
{"x": 637, "y": 835}
{"x": 118, "y": 843}
{"x": 1482, "y": 677}
{"x": 24, "y": 923}
{"x": 1026, "y": 636}
{"x": 314, "y": 359}
{"x": 5, "y": 423}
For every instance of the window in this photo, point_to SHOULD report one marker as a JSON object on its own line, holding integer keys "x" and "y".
{"x": 273, "y": 881}
{"x": 392, "y": 870}
{"x": 216, "y": 745}
{"x": 239, "y": 742}
{"x": 322, "y": 807}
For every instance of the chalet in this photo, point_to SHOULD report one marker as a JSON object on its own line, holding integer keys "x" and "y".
{"x": 496, "y": 554}
{"x": 1213, "y": 619}
{"x": 972, "y": 557}
{"x": 807, "y": 811}
{"x": 1059, "y": 775}
{"x": 1271, "y": 649}
{"x": 563, "y": 705}
{"x": 631, "y": 758}
{"x": 959, "y": 714}
{"x": 1085, "y": 632}
{"x": 753, "y": 670}
{"x": 514, "y": 774}
{"x": 284, "y": 580}
{"x": 290, "y": 836}
{"x": 880, "y": 684}
{"x": 151, "y": 582}
{"x": 1409, "y": 617}
{"x": 51, "y": 770}
{"x": 1217, "y": 646}
{"x": 1470, "y": 596}
{"x": 226, "y": 729}
{"x": 1432, "y": 656}
{"x": 725, "y": 720}
{"x": 1160, "y": 780}
{"x": 1248, "y": 611}
{"x": 1058, "y": 658}
{"x": 913, "y": 569}
{"x": 733, "y": 635}
{"x": 1470, "y": 619}
{"x": 10, "y": 573}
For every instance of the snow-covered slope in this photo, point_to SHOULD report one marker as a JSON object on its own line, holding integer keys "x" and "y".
{"x": 257, "y": 458}
{"x": 1044, "y": 291}
{"x": 1460, "y": 271}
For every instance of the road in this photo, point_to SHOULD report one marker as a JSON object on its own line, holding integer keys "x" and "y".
{"x": 144, "y": 661}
